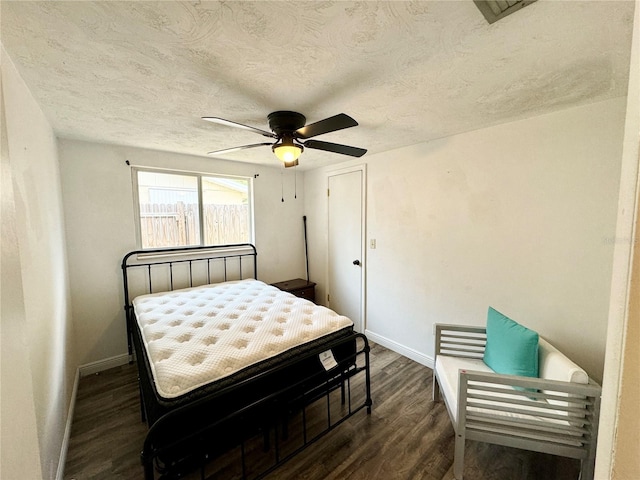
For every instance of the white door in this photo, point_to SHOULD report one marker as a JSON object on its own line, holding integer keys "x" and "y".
{"x": 345, "y": 256}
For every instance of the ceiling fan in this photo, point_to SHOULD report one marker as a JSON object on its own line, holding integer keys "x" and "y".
{"x": 289, "y": 129}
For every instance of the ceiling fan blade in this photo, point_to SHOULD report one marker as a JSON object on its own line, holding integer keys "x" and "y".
{"x": 335, "y": 148}
{"x": 331, "y": 124}
{"x": 235, "y": 149}
{"x": 229, "y": 123}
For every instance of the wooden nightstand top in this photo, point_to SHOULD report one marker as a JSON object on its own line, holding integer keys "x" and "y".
{"x": 294, "y": 284}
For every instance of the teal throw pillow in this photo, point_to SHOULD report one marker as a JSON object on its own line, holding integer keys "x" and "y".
{"x": 511, "y": 348}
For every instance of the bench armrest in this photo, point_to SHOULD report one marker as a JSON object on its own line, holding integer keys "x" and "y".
{"x": 532, "y": 384}
{"x": 562, "y": 414}
{"x": 460, "y": 340}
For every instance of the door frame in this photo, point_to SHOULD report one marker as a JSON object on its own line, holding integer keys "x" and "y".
{"x": 363, "y": 241}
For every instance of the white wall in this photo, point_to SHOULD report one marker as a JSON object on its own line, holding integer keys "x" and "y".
{"x": 519, "y": 216}
{"x": 98, "y": 202}
{"x": 38, "y": 355}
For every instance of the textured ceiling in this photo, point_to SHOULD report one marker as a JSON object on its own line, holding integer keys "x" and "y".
{"x": 143, "y": 73}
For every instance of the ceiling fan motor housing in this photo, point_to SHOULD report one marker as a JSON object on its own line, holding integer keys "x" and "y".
{"x": 282, "y": 122}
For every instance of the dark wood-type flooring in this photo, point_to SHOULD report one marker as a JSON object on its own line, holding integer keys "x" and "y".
{"x": 407, "y": 436}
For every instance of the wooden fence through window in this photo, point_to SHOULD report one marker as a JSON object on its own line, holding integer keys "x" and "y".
{"x": 172, "y": 225}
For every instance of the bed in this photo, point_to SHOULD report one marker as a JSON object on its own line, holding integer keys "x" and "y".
{"x": 224, "y": 358}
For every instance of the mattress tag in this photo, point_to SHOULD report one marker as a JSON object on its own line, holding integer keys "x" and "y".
{"x": 327, "y": 359}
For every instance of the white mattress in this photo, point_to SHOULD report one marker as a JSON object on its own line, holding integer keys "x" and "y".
{"x": 199, "y": 335}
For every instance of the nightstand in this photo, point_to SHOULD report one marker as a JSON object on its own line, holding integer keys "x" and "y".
{"x": 298, "y": 287}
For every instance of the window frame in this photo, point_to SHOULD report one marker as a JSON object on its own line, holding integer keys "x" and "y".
{"x": 199, "y": 176}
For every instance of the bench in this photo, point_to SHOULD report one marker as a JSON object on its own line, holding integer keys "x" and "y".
{"x": 556, "y": 413}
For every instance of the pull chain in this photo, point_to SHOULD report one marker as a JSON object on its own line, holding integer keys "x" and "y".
{"x": 282, "y": 184}
{"x": 295, "y": 182}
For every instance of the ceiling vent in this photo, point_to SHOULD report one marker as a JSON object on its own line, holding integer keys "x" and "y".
{"x": 494, "y": 10}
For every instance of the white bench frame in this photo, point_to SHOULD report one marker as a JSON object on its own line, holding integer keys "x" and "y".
{"x": 549, "y": 434}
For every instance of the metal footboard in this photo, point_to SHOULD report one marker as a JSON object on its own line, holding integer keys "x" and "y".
{"x": 271, "y": 414}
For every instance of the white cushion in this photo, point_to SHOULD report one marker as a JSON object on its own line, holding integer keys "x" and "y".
{"x": 554, "y": 365}
{"x": 447, "y": 371}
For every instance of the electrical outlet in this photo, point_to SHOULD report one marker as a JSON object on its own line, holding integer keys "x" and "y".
{"x": 372, "y": 243}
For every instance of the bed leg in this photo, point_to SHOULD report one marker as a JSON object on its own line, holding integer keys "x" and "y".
{"x": 243, "y": 460}
{"x": 143, "y": 416}
{"x": 343, "y": 397}
{"x": 368, "y": 402}
{"x": 147, "y": 463}
{"x": 202, "y": 470}
{"x": 266, "y": 439}
{"x": 285, "y": 426}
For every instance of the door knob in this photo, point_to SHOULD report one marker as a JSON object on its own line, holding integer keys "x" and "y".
{"x": 356, "y": 262}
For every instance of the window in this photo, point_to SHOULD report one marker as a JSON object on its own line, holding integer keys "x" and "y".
{"x": 176, "y": 209}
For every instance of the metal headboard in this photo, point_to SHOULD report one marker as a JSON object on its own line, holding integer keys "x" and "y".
{"x": 168, "y": 269}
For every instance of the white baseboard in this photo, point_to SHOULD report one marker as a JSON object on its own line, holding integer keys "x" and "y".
{"x": 414, "y": 355}
{"x": 101, "y": 365}
{"x": 67, "y": 430}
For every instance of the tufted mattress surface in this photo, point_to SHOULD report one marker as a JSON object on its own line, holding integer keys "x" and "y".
{"x": 200, "y": 335}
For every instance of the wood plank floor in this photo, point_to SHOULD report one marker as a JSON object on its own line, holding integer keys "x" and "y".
{"x": 407, "y": 436}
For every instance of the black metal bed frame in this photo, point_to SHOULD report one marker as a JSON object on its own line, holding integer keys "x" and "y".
{"x": 188, "y": 436}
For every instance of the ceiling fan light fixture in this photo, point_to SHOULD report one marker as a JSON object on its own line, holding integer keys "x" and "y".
{"x": 287, "y": 151}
